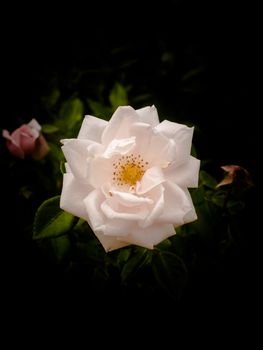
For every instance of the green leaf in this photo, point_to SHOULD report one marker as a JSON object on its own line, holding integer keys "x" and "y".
{"x": 170, "y": 272}
{"x": 62, "y": 167}
{"x": 61, "y": 248}
{"x": 209, "y": 216}
{"x": 123, "y": 255}
{"x": 50, "y": 100}
{"x": 198, "y": 195}
{"x": 71, "y": 113}
{"x": 49, "y": 128}
{"x": 88, "y": 251}
{"x": 118, "y": 96}
{"x": 142, "y": 99}
{"x": 101, "y": 277}
{"x": 207, "y": 180}
{"x": 56, "y": 152}
{"x": 51, "y": 221}
{"x": 219, "y": 198}
{"x": 167, "y": 57}
{"x": 26, "y": 192}
{"x": 134, "y": 264}
{"x": 99, "y": 110}
{"x": 193, "y": 151}
{"x": 235, "y": 207}
{"x": 164, "y": 245}
{"x": 192, "y": 74}
{"x": 178, "y": 241}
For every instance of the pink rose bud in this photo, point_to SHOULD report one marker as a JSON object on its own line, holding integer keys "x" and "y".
{"x": 26, "y": 140}
{"x": 234, "y": 173}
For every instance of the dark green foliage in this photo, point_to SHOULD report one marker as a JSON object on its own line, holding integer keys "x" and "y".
{"x": 51, "y": 221}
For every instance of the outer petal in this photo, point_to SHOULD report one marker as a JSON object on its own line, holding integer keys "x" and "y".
{"x": 15, "y": 150}
{"x": 149, "y": 115}
{"x": 41, "y": 148}
{"x": 110, "y": 243}
{"x": 118, "y": 228}
{"x": 27, "y": 138}
{"x": 6, "y": 135}
{"x": 73, "y": 194}
{"x": 150, "y": 236}
{"x": 157, "y": 194}
{"x": 97, "y": 221}
{"x": 184, "y": 175}
{"x": 34, "y": 125}
{"x": 178, "y": 206}
{"x": 182, "y": 136}
{"x": 161, "y": 150}
{"x": 13, "y": 145}
{"x": 119, "y": 124}
{"x": 93, "y": 202}
{"x": 67, "y": 167}
{"x": 76, "y": 154}
{"x": 92, "y": 128}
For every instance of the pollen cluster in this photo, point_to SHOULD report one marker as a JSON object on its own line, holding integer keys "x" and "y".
{"x": 127, "y": 170}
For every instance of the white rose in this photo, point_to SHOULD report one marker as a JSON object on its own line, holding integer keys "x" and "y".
{"x": 128, "y": 177}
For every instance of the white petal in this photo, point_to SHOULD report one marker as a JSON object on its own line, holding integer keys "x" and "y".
{"x": 95, "y": 149}
{"x": 97, "y": 221}
{"x": 185, "y": 174}
{"x": 182, "y": 136}
{"x": 112, "y": 210}
{"x": 93, "y": 202}
{"x": 157, "y": 194}
{"x": 117, "y": 228}
{"x": 72, "y": 196}
{"x": 6, "y": 135}
{"x": 148, "y": 115}
{"x": 143, "y": 134}
{"x": 161, "y": 150}
{"x": 99, "y": 171}
{"x": 178, "y": 204}
{"x": 151, "y": 178}
{"x": 110, "y": 243}
{"x": 169, "y": 129}
{"x": 119, "y": 146}
{"x": 76, "y": 154}
{"x": 119, "y": 124}
{"x": 34, "y": 125}
{"x": 150, "y": 236}
{"x": 129, "y": 199}
{"x": 190, "y": 216}
{"x": 67, "y": 167}
{"x": 92, "y": 128}
{"x": 80, "y": 146}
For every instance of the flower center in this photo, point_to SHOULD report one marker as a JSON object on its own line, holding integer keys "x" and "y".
{"x": 128, "y": 170}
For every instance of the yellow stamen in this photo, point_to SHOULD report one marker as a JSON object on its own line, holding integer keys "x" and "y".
{"x": 131, "y": 173}
{"x": 128, "y": 170}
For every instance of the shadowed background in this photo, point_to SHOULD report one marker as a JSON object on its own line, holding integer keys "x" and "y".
{"x": 196, "y": 62}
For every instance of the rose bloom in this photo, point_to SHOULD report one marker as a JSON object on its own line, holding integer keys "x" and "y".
{"x": 26, "y": 140}
{"x": 128, "y": 177}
